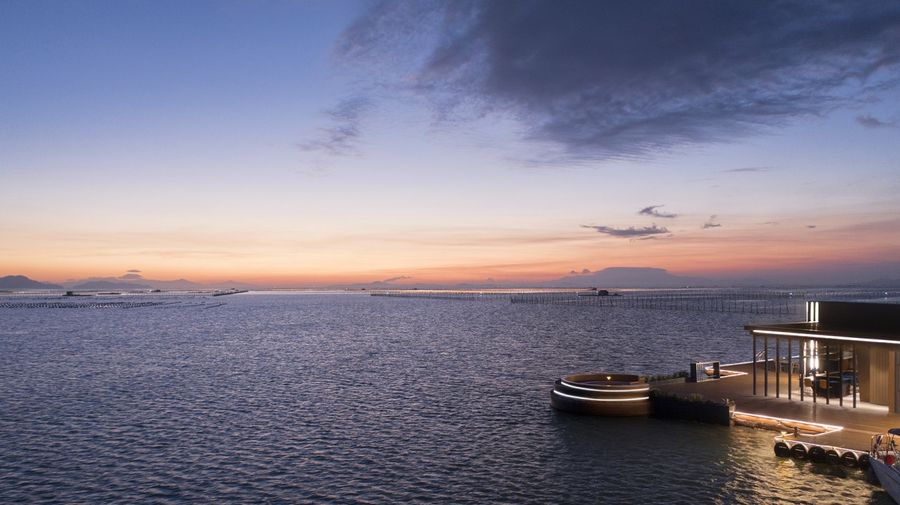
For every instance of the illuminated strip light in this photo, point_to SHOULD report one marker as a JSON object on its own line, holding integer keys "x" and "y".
{"x": 812, "y": 312}
{"x": 833, "y": 337}
{"x": 830, "y": 427}
{"x": 573, "y": 386}
{"x": 602, "y": 399}
{"x": 722, "y": 367}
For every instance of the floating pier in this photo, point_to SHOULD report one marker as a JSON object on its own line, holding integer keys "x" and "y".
{"x": 829, "y": 454}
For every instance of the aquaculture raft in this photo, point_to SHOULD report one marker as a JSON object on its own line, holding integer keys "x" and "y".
{"x": 603, "y": 394}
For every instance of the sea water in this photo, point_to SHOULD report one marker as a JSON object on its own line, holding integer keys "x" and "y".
{"x": 348, "y": 398}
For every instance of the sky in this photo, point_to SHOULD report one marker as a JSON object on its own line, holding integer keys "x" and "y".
{"x": 304, "y": 143}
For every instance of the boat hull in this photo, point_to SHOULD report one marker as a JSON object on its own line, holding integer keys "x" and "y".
{"x": 888, "y": 476}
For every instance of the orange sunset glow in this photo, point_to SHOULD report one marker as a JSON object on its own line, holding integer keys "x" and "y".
{"x": 334, "y": 174}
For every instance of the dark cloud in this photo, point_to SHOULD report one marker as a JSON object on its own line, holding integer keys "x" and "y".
{"x": 133, "y": 271}
{"x": 711, "y": 223}
{"x": 343, "y": 135}
{"x": 811, "y": 226}
{"x": 630, "y": 232}
{"x": 744, "y": 170}
{"x": 584, "y": 271}
{"x": 873, "y": 122}
{"x": 631, "y": 79}
{"x": 652, "y": 211}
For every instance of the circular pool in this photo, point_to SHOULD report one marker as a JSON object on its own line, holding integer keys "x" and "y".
{"x": 602, "y": 393}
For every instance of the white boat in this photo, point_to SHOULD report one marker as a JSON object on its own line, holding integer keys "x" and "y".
{"x": 882, "y": 460}
{"x": 888, "y": 477}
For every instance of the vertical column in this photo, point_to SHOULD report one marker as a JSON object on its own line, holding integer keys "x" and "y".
{"x": 855, "y": 378}
{"x": 777, "y": 367}
{"x": 827, "y": 375}
{"x": 815, "y": 355}
{"x": 803, "y": 351}
{"x": 841, "y": 375}
{"x": 790, "y": 366}
{"x": 893, "y": 373}
{"x": 765, "y": 365}
{"x": 754, "y": 361}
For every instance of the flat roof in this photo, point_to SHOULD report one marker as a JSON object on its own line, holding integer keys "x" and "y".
{"x": 877, "y": 323}
{"x": 826, "y": 331}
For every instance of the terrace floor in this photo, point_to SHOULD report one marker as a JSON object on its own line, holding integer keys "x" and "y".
{"x": 858, "y": 424}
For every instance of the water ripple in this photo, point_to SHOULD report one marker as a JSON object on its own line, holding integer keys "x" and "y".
{"x": 355, "y": 399}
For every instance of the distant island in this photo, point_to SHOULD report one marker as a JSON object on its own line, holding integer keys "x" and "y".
{"x": 99, "y": 285}
{"x": 22, "y": 282}
{"x": 127, "y": 282}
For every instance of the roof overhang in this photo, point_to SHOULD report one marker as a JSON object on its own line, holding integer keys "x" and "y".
{"x": 820, "y": 331}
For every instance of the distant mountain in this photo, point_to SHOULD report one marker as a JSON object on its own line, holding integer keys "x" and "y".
{"x": 22, "y": 282}
{"x": 392, "y": 284}
{"x": 629, "y": 277}
{"x": 385, "y": 285}
{"x": 104, "y": 285}
{"x": 614, "y": 277}
{"x": 177, "y": 284}
{"x": 132, "y": 281}
{"x": 184, "y": 284}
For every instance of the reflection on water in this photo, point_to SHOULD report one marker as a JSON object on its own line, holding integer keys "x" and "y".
{"x": 323, "y": 398}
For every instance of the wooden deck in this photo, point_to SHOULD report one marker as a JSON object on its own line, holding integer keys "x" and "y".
{"x": 858, "y": 424}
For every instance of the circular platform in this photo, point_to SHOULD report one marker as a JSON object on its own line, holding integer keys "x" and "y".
{"x": 602, "y": 394}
